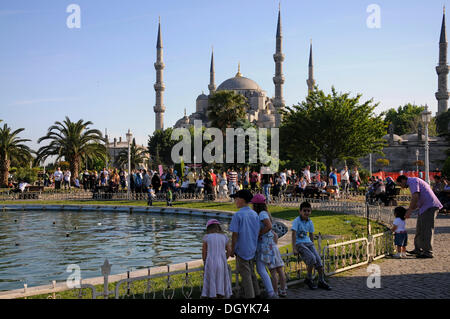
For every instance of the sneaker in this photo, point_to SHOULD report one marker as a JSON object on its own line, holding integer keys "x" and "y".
{"x": 424, "y": 256}
{"x": 324, "y": 285}
{"x": 403, "y": 255}
{"x": 413, "y": 252}
{"x": 397, "y": 256}
{"x": 282, "y": 293}
{"x": 310, "y": 284}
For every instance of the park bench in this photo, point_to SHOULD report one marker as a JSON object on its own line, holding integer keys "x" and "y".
{"x": 34, "y": 188}
{"x": 31, "y": 192}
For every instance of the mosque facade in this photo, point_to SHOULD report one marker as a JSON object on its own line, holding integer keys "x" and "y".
{"x": 262, "y": 110}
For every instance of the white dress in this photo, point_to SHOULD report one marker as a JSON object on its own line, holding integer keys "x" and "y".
{"x": 216, "y": 279}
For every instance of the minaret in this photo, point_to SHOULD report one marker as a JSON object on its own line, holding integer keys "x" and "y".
{"x": 442, "y": 70}
{"x": 278, "y": 80}
{"x": 212, "y": 72}
{"x": 159, "y": 85}
{"x": 311, "y": 82}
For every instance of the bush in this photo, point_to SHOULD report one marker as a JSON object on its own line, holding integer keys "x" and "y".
{"x": 29, "y": 175}
{"x": 382, "y": 162}
{"x": 364, "y": 174}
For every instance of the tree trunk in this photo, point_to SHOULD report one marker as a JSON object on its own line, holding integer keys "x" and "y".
{"x": 4, "y": 171}
{"x": 328, "y": 162}
{"x": 74, "y": 168}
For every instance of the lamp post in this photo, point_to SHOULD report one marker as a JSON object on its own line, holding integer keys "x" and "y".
{"x": 426, "y": 118}
{"x": 417, "y": 161}
{"x": 370, "y": 164}
{"x": 129, "y": 137}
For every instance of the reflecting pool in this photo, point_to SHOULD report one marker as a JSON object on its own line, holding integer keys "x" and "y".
{"x": 36, "y": 247}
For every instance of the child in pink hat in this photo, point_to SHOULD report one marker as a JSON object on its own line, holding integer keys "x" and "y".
{"x": 215, "y": 252}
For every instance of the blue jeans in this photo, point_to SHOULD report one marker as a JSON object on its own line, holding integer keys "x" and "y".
{"x": 232, "y": 187}
{"x": 266, "y": 189}
{"x": 262, "y": 271}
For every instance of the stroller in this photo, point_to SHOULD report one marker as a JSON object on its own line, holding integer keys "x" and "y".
{"x": 380, "y": 193}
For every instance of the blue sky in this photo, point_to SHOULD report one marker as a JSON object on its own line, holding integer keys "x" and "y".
{"x": 104, "y": 71}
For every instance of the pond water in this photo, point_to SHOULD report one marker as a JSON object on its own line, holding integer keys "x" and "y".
{"x": 36, "y": 247}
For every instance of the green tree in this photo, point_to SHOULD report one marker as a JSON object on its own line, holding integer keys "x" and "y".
{"x": 330, "y": 127}
{"x": 442, "y": 123}
{"x": 160, "y": 147}
{"x": 226, "y": 108}
{"x": 405, "y": 119}
{"x": 11, "y": 148}
{"x": 73, "y": 141}
{"x": 138, "y": 155}
{"x": 29, "y": 175}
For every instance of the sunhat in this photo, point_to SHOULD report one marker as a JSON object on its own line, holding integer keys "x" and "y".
{"x": 259, "y": 199}
{"x": 212, "y": 222}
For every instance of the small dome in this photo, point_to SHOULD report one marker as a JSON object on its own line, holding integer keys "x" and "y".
{"x": 239, "y": 83}
{"x": 395, "y": 137}
{"x": 202, "y": 97}
{"x": 182, "y": 122}
{"x": 415, "y": 138}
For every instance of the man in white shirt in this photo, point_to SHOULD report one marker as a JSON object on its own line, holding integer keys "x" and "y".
{"x": 106, "y": 174}
{"x": 345, "y": 179}
{"x": 58, "y": 175}
{"x": 283, "y": 176}
{"x": 67, "y": 176}
{"x": 22, "y": 186}
{"x": 307, "y": 174}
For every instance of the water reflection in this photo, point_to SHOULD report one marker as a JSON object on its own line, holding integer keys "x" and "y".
{"x": 35, "y": 249}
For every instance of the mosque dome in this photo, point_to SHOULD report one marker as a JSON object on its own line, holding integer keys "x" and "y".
{"x": 239, "y": 83}
{"x": 202, "y": 97}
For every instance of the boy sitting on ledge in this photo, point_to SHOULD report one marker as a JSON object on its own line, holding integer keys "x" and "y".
{"x": 304, "y": 245}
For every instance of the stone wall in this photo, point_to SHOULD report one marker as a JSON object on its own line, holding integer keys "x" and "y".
{"x": 402, "y": 157}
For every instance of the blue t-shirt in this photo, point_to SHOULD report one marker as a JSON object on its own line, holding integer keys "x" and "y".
{"x": 263, "y": 215}
{"x": 302, "y": 228}
{"x": 246, "y": 223}
{"x": 334, "y": 178}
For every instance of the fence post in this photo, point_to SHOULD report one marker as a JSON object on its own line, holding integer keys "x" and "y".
{"x": 106, "y": 270}
{"x": 54, "y": 288}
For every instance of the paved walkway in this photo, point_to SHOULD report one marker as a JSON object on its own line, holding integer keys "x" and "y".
{"x": 404, "y": 278}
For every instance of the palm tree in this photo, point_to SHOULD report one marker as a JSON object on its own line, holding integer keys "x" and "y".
{"x": 137, "y": 156}
{"x": 11, "y": 148}
{"x": 74, "y": 141}
{"x": 226, "y": 108}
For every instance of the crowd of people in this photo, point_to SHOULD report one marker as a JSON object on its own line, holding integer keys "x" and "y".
{"x": 214, "y": 184}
